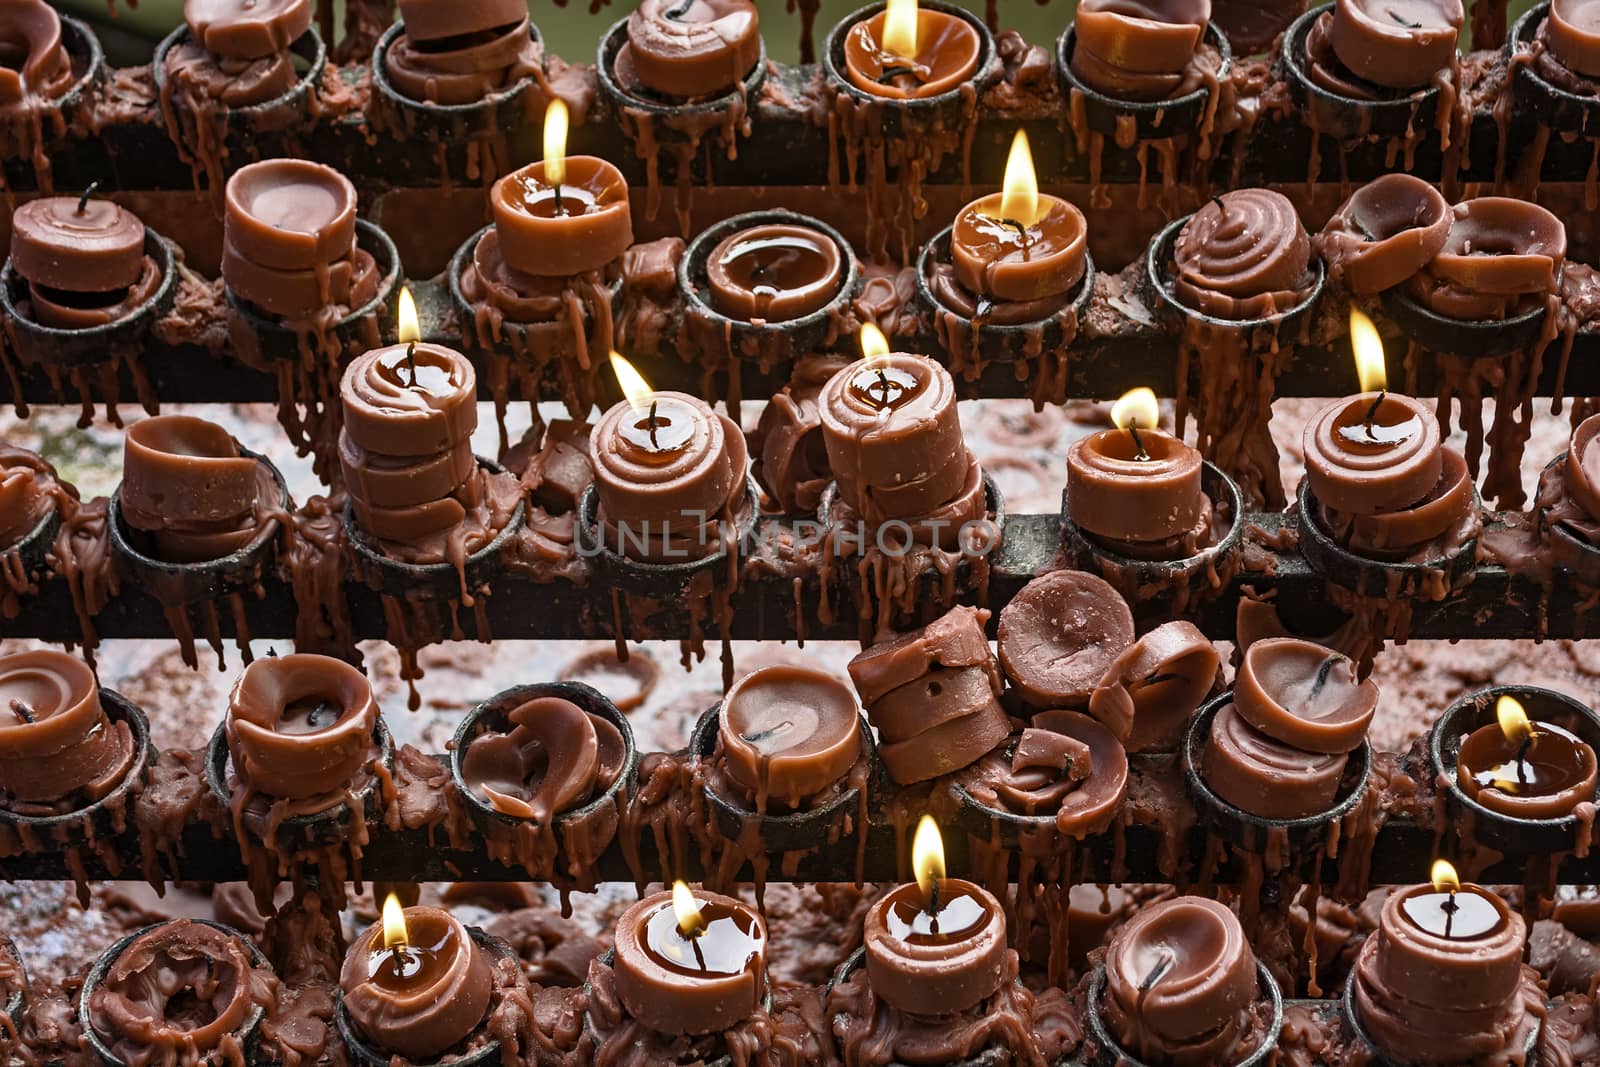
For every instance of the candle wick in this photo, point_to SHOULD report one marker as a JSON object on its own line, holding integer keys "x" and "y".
{"x": 560, "y": 208}
{"x": 1138, "y": 442}
{"x": 1022, "y": 234}
{"x": 933, "y": 903}
{"x": 1222, "y": 205}
{"x": 22, "y": 711}
{"x": 83, "y": 201}
{"x": 411, "y": 363}
{"x": 1402, "y": 20}
{"x": 1158, "y": 678}
{"x": 650, "y": 425}
{"x": 1158, "y": 972}
{"x": 889, "y": 74}
{"x": 1323, "y": 671}
{"x": 771, "y": 731}
{"x": 1449, "y": 907}
{"x": 1522, "y": 758}
{"x": 1372, "y": 413}
{"x": 676, "y": 13}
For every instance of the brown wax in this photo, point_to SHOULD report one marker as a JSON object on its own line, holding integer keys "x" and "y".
{"x": 405, "y": 400}
{"x": 247, "y": 29}
{"x": 1500, "y": 246}
{"x": 69, "y": 310}
{"x": 404, "y": 481}
{"x": 1264, "y": 776}
{"x": 1582, "y": 470}
{"x": 1134, "y": 486}
{"x": 96, "y": 250}
{"x": 955, "y": 639}
{"x": 1441, "y": 510}
{"x": 700, "y": 984}
{"x": 1019, "y": 259}
{"x": 789, "y": 732}
{"x": 186, "y": 470}
{"x": 55, "y": 738}
{"x": 893, "y": 436}
{"x": 947, "y": 54}
{"x": 1572, "y": 30}
{"x": 1151, "y": 690}
{"x": 1384, "y": 233}
{"x": 295, "y": 293}
{"x": 552, "y": 759}
{"x": 421, "y": 999}
{"x": 1180, "y": 979}
{"x": 1142, "y": 36}
{"x": 29, "y": 490}
{"x": 38, "y": 66}
{"x": 300, "y": 725}
{"x": 1546, "y": 778}
{"x": 433, "y": 20}
{"x": 438, "y": 74}
{"x": 1304, "y": 695}
{"x": 1243, "y": 255}
{"x": 673, "y": 471}
{"x": 588, "y": 226}
{"x": 935, "y": 957}
{"x": 1059, "y": 636}
{"x": 1372, "y": 453}
{"x": 791, "y": 457}
{"x": 1399, "y": 44}
{"x": 774, "y": 273}
{"x": 1085, "y": 793}
{"x": 694, "y": 49}
{"x": 289, "y": 215}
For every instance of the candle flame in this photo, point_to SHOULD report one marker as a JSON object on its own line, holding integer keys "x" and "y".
{"x": 1137, "y": 408}
{"x": 1368, "y": 347}
{"x": 1443, "y": 875}
{"x": 874, "y": 344}
{"x": 1019, "y": 198}
{"x": 927, "y": 856}
{"x": 634, "y": 387}
{"x": 1513, "y": 719}
{"x": 691, "y": 923}
{"x": 900, "y": 29}
{"x": 408, "y": 328}
{"x": 394, "y": 922}
{"x": 555, "y": 142}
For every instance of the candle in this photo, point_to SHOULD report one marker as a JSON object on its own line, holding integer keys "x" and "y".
{"x": 1572, "y": 33}
{"x": 1581, "y": 472}
{"x": 691, "y": 962}
{"x": 1059, "y": 636}
{"x": 300, "y": 726}
{"x": 1501, "y": 257}
{"x": 935, "y": 946}
{"x": 788, "y": 732}
{"x": 1442, "y": 979}
{"x": 1384, "y": 233}
{"x": 1398, "y": 44}
{"x": 415, "y": 983}
{"x": 41, "y": 68}
{"x": 246, "y": 29}
{"x": 1149, "y": 692}
{"x": 1263, "y": 776}
{"x": 55, "y": 738}
{"x": 1019, "y": 245}
{"x": 690, "y": 48}
{"x": 668, "y": 471}
{"x": 28, "y": 492}
{"x": 1136, "y": 484}
{"x": 933, "y": 695}
{"x": 1304, "y": 695}
{"x": 1243, "y": 255}
{"x": 791, "y": 456}
{"x": 453, "y": 54}
{"x": 1137, "y": 49}
{"x": 83, "y": 260}
{"x": 179, "y": 992}
{"x": 1064, "y": 766}
{"x": 564, "y": 215}
{"x": 186, "y": 486}
{"x": 774, "y": 273}
{"x": 1180, "y": 984}
{"x": 553, "y": 757}
{"x": 905, "y": 53}
{"x": 1528, "y": 770}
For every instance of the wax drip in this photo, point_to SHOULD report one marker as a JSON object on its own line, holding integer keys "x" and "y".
{"x": 83, "y": 201}
{"x": 22, "y": 711}
{"x": 1372, "y": 413}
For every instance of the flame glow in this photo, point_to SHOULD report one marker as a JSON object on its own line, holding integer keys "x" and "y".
{"x": 634, "y": 387}
{"x": 927, "y": 856}
{"x": 555, "y": 142}
{"x": 1019, "y": 197}
{"x": 1368, "y": 347}
{"x": 873, "y": 343}
{"x": 1443, "y": 876}
{"x": 690, "y": 922}
{"x": 407, "y": 327}
{"x": 900, "y": 29}
{"x": 1137, "y": 408}
{"x": 394, "y": 922}
{"x": 1513, "y": 719}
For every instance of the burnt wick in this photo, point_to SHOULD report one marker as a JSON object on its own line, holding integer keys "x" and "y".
{"x": 652, "y": 424}
{"x": 22, "y": 711}
{"x": 676, "y": 13}
{"x": 889, "y": 74}
{"x": 767, "y": 734}
{"x": 1372, "y": 412}
{"x": 1138, "y": 442}
{"x": 83, "y": 201}
{"x": 1222, "y": 205}
{"x": 1159, "y": 971}
{"x": 1323, "y": 670}
{"x": 560, "y": 207}
{"x": 1022, "y": 234}
{"x": 411, "y": 363}
{"x": 1402, "y": 20}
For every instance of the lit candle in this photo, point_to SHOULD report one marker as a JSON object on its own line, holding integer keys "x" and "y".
{"x": 564, "y": 215}
{"x": 774, "y": 273}
{"x": 788, "y": 732}
{"x": 1529, "y": 770}
{"x": 905, "y": 53}
{"x": 549, "y": 757}
{"x": 415, "y": 983}
{"x": 937, "y": 945}
{"x": 1137, "y": 484}
{"x": 690, "y": 49}
{"x": 1137, "y": 49}
{"x": 55, "y": 738}
{"x": 300, "y": 725}
{"x": 691, "y": 962}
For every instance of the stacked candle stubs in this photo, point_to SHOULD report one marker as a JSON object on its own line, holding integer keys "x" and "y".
{"x": 238, "y": 53}
{"x": 1140, "y": 50}
{"x": 454, "y": 54}
{"x": 187, "y": 487}
{"x": 406, "y": 446}
{"x": 83, "y": 260}
{"x": 934, "y": 696}
{"x": 289, "y": 240}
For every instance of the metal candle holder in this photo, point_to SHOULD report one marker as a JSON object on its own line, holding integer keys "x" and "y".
{"x": 1570, "y": 551}
{"x": 1378, "y": 1058}
{"x": 501, "y": 112}
{"x": 1368, "y": 577}
{"x": 1562, "y": 111}
{"x": 1109, "y": 1053}
{"x": 1462, "y": 337}
{"x": 34, "y": 548}
{"x": 1152, "y": 120}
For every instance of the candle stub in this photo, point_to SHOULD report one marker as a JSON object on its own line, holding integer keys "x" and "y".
{"x": 83, "y": 260}
{"x": 455, "y": 53}
{"x": 1384, "y": 233}
{"x": 247, "y": 29}
{"x": 945, "y": 51}
{"x": 693, "y": 49}
{"x": 1243, "y": 255}
{"x": 935, "y": 954}
{"x": 774, "y": 273}
{"x": 788, "y": 733}
{"x": 553, "y": 757}
{"x": 1526, "y": 768}
{"x": 1151, "y": 690}
{"x": 1304, "y": 695}
{"x": 42, "y": 69}
{"x": 1571, "y": 32}
{"x": 1064, "y": 765}
{"x": 1397, "y": 44}
{"x": 1059, "y": 636}
{"x": 791, "y": 457}
{"x": 56, "y": 742}
{"x": 300, "y": 726}
{"x": 694, "y": 975}
{"x": 1138, "y": 490}
{"x": 1139, "y": 49}
{"x": 1261, "y": 775}
{"x": 550, "y": 228}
